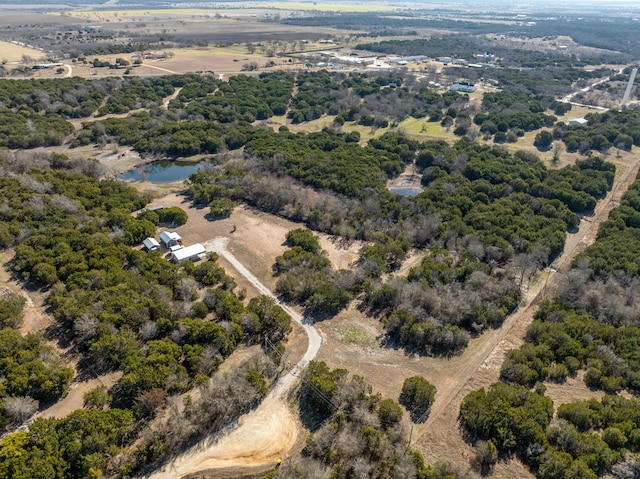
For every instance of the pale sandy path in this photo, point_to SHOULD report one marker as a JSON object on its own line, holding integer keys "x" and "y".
{"x": 264, "y": 434}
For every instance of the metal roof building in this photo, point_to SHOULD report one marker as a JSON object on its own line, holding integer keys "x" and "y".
{"x": 193, "y": 252}
{"x": 151, "y": 244}
{"x": 169, "y": 238}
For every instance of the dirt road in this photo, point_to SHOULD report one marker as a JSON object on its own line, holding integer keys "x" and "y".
{"x": 439, "y": 437}
{"x": 263, "y": 435}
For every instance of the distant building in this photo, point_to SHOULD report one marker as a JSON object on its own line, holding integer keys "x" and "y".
{"x": 169, "y": 239}
{"x": 44, "y": 66}
{"x": 192, "y": 253}
{"x": 463, "y": 86}
{"x": 578, "y": 122}
{"x": 150, "y": 244}
{"x": 444, "y": 59}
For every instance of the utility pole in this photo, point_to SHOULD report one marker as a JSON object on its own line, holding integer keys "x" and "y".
{"x": 419, "y": 421}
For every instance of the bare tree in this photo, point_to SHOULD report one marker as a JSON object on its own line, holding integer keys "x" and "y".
{"x": 19, "y": 409}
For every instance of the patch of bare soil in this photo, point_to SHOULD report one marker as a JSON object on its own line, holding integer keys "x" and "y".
{"x": 255, "y": 238}
{"x": 261, "y": 437}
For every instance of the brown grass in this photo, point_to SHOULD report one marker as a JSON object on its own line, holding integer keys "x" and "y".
{"x": 11, "y": 52}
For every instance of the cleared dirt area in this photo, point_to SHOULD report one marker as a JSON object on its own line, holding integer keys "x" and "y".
{"x": 34, "y": 318}
{"x": 260, "y": 437}
{"x": 255, "y": 238}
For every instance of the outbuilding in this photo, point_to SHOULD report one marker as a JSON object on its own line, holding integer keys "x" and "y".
{"x": 578, "y": 121}
{"x": 150, "y": 244}
{"x": 193, "y": 253}
{"x": 169, "y": 239}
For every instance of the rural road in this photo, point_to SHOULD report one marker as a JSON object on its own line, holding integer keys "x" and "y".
{"x": 262, "y": 435}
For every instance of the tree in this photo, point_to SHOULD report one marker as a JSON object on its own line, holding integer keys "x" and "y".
{"x": 174, "y": 216}
{"x": 19, "y": 408}
{"x": 486, "y": 455}
{"x": 96, "y": 398}
{"x": 147, "y": 403}
{"x": 543, "y": 140}
{"x": 389, "y": 412}
{"x": 558, "y": 148}
{"x": 11, "y": 306}
{"x": 417, "y": 396}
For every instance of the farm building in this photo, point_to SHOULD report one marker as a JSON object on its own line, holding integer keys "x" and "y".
{"x": 169, "y": 238}
{"x": 151, "y": 244}
{"x": 193, "y": 253}
{"x": 578, "y": 121}
{"x": 463, "y": 86}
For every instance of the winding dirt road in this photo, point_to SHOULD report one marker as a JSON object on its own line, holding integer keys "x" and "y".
{"x": 263, "y": 435}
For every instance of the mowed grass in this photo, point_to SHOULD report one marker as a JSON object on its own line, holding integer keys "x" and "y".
{"x": 13, "y": 53}
{"x": 420, "y": 128}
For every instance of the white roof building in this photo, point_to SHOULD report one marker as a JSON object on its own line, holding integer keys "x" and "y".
{"x": 151, "y": 244}
{"x": 193, "y": 252}
{"x": 170, "y": 238}
{"x": 578, "y": 121}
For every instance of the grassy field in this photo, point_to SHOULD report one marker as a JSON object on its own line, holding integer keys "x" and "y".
{"x": 11, "y": 52}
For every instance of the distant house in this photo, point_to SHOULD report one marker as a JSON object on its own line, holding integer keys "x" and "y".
{"x": 444, "y": 60}
{"x": 578, "y": 122}
{"x": 169, "y": 239}
{"x": 193, "y": 253}
{"x": 150, "y": 244}
{"x": 463, "y": 86}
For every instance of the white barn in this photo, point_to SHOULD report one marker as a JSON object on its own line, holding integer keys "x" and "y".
{"x": 169, "y": 238}
{"x": 151, "y": 244}
{"x": 578, "y": 121}
{"x": 193, "y": 253}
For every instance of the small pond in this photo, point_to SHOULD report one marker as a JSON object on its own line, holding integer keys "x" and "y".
{"x": 164, "y": 171}
{"x": 406, "y": 190}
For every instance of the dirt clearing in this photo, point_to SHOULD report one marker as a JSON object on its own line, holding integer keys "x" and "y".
{"x": 261, "y": 437}
{"x": 255, "y": 238}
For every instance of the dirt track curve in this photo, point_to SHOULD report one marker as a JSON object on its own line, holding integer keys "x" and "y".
{"x": 439, "y": 438}
{"x": 263, "y": 435}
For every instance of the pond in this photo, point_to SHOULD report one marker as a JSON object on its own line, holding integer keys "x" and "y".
{"x": 164, "y": 171}
{"x": 406, "y": 190}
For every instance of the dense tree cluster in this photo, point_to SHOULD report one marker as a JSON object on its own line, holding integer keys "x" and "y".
{"x": 590, "y": 325}
{"x": 513, "y": 111}
{"x": 593, "y": 322}
{"x": 244, "y": 98}
{"x": 138, "y": 93}
{"x": 613, "y": 129}
{"x": 25, "y": 129}
{"x": 124, "y": 309}
{"x": 587, "y": 439}
{"x": 306, "y": 276}
{"x": 493, "y": 207}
